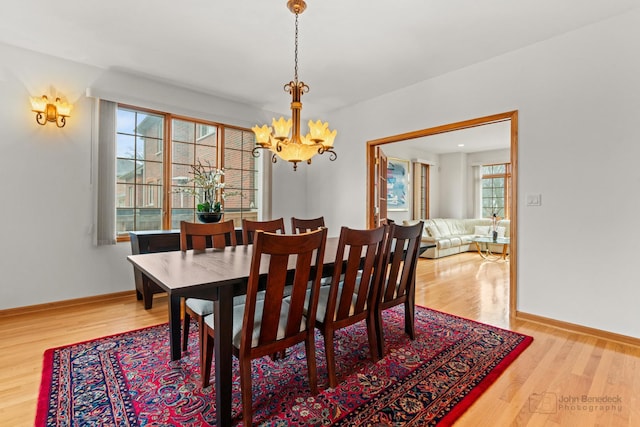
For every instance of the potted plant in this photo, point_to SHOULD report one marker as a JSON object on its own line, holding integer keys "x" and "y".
{"x": 209, "y": 190}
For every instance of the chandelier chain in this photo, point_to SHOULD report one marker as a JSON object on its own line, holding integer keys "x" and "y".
{"x": 295, "y": 78}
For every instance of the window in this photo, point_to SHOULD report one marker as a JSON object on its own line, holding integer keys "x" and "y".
{"x": 496, "y": 181}
{"x": 241, "y": 176}
{"x": 138, "y": 170}
{"x": 205, "y": 130}
{"x": 154, "y": 155}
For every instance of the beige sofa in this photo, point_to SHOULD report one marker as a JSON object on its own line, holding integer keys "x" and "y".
{"x": 453, "y": 236}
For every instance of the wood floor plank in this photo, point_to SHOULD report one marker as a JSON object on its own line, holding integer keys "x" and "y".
{"x": 558, "y": 364}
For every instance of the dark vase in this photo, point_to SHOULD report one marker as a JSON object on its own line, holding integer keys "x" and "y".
{"x": 495, "y": 236}
{"x": 209, "y": 217}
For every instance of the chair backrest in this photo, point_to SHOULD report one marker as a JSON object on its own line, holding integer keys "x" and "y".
{"x": 354, "y": 283}
{"x": 401, "y": 256}
{"x": 299, "y": 225}
{"x": 282, "y": 256}
{"x": 249, "y": 227}
{"x": 200, "y": 236}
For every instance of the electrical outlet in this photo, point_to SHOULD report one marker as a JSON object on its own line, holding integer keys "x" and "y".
{"x": 534, "y": 199}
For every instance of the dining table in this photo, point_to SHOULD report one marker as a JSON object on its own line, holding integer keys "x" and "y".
{"x": 217, "y": 275}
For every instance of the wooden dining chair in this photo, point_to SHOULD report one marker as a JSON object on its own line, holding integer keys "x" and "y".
{"x": 266, "y": 326}
{"x": 195, "y": 235}
{"x": 300, "y": 225}
{"x": 249, "y": 227}
{"x": 351, "y": 296}
{"x": 397, "y": 283}
{"x": 200, "y": 236}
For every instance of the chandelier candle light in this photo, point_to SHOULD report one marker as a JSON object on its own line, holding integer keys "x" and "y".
{"x": 295, "y": 148}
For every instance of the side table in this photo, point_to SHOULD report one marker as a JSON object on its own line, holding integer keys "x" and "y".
{"x": 484, "y": 249}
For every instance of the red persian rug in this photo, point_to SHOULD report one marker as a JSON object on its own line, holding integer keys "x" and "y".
{"x": 129, "y": 380}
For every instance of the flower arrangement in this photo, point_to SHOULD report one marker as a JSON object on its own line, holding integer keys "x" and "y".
{"x": 208, "y": 187}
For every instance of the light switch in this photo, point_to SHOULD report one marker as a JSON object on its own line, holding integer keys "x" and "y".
{"x": 534, "y": 199}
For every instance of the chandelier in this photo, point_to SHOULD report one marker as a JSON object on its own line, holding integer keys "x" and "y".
{"x": 290, "y": 145}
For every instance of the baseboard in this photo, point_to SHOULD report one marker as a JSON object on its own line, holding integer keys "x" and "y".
{"x": 572, "y": 327}
{"x": 65, "y": 303}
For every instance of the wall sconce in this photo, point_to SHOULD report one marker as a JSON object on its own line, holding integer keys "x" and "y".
{"x": 48, "y": 112}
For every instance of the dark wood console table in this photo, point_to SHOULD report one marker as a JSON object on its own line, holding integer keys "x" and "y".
{"x": 144, "y": 242}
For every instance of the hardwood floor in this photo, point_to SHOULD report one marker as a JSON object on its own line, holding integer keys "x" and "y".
{"x": 558, "y": 366}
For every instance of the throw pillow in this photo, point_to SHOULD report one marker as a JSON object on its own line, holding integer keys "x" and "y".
{"x": 501, "y": 231}
{"x": 433, "y": 231}
{"x": 481, "y": 230}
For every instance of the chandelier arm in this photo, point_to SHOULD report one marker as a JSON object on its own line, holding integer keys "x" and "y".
{"x": 40, "y": 119}
{"x": 332, "y": 154}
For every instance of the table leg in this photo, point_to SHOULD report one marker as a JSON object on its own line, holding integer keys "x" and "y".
{"x": 174, "y": 327}
{"x": 223, "y": 321}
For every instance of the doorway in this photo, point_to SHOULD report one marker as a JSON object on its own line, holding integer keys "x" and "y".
{"x": 512, "y": 117}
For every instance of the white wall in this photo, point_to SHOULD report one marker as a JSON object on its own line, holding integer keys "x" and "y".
{"x": 453, "y": 179}
{"x": 579, "y": 103}
{"x": 489, "y": 157}
{"x": 47, "y": 209}
{"x": 289, "y": 192}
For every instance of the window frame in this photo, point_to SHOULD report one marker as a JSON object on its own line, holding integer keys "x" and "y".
{"x": 507, "y": 186}
{"x": 167, "y": 159}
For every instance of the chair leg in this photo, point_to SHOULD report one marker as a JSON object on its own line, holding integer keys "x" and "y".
{"x": 379, "y": 326}
{"x": 185, "y": 330}
{"x": 409, "y": 316}
{"x": 331, "y": 358}
{"x": 245, "y": 387}
{"x": 311, "y": 363}
{"x": 206, "y": 356}
{"x": 202, "y": 333}
{"x": 373, "y": 338}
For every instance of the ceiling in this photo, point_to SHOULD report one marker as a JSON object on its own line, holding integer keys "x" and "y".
{"x": 487, "y": 137}
{"x": 350, "y": 50}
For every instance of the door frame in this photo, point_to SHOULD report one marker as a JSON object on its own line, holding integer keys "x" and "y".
{"x": 512, "y": 116}
{"x": 380, "y": 193}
